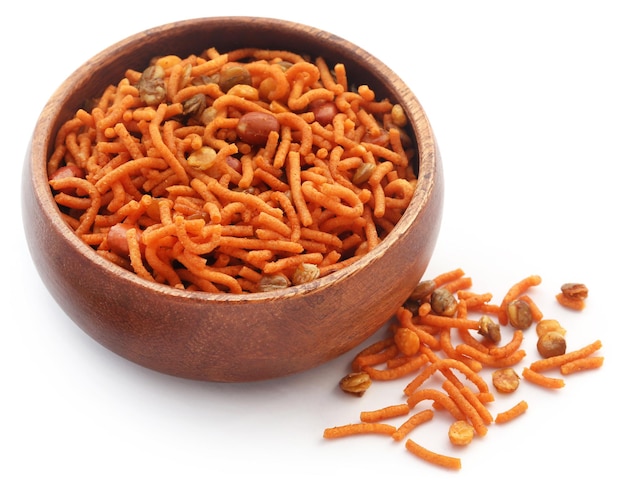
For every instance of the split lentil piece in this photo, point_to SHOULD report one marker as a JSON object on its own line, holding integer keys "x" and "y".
{"x": 547, "y": 325}
{"x": 461, "y": 433}
{"x": 505, "y": 380}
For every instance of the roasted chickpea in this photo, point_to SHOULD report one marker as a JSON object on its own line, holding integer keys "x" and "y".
{"x": 551, "y": 344}
{"x": 232, "y": 75}
{"x": 363, "y": 173}
{"x": 423, "y": 289}
{"x": 520, "y": 314}
{"x": 443, "y": 302}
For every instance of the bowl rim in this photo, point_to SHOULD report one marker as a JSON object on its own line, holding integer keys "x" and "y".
{"x": 426, "y": 160}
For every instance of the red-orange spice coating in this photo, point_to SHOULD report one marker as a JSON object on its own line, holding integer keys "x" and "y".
{"x": 448, "y": 372}
{"x": 231, "y": 167}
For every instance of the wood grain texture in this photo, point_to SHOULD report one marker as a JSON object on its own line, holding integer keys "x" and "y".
{"x": 228, "y": 338}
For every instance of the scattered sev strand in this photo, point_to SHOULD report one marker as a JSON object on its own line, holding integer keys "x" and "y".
{"x": 542, "y": 380}
{"x": 359, "y": 428}
{"x": 385, "y": 413}
{"x": 446, "y": 461}
{"x": 413, "y": 422}
{"x": 557, "y": 361}
{"x": 447, "y": 277}
{"x": 512, "y": 413}
{"x": 580, "y": 364}
{"x": 399, "y": 371}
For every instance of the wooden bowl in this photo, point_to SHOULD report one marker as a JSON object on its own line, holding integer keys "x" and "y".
{"x": 226, "y": 337}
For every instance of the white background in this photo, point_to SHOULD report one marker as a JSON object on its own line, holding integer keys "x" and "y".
{"x": 527, "y": 100}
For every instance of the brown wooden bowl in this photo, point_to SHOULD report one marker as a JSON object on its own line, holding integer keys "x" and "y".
{"x": 226, "y": 337}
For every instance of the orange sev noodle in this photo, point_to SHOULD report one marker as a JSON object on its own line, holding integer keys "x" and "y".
{"x": 385, "y": 413}
{"x": 442, "y": 460}
{"x": 413, "y": 422}
{"x": 581, "y": 364}
{"x": 542, "y": 380}
{"x": 359, "y": 428}
{"x": 512, "y": 413}
{"x": 557, "y": 361}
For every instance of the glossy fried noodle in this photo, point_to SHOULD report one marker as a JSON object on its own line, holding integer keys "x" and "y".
{"x": 232, "y": 172}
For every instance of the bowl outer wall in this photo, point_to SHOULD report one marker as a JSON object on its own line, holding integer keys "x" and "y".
{"x": 227, "y": 337}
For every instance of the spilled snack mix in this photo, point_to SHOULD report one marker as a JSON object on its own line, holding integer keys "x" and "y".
{"x": 573, "y": 295}
{"x": 437, "y": 360}
{"x": 243, "y": 171}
